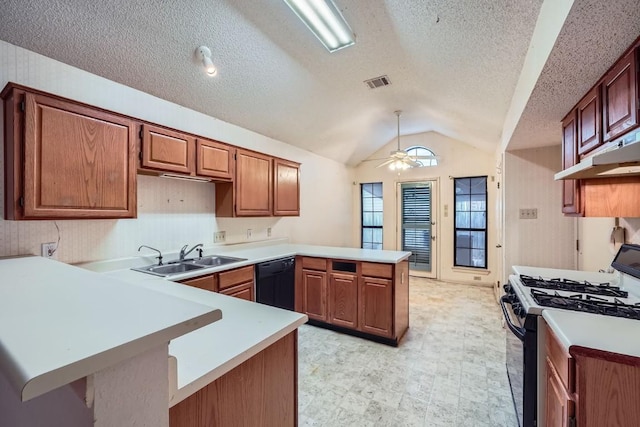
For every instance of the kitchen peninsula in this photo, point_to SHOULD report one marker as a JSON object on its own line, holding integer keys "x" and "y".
{"x": 250, "y": 339}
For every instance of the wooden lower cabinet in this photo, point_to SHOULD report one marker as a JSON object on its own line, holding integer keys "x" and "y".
{"x": 261, "y": 392}
{"x": 343, "y": 300}
{"x": 376, "y": 306}
{"x": 365, "y": 299}
{"x": 242, "y": 291}
{"x": 559, "y": 406}
{"x": 314, "y": 294}
{"x": 208, "y": 282}
{"x": 238, "y": 282}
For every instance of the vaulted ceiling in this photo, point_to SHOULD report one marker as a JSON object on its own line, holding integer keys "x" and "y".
{"x": 453, "y": 65}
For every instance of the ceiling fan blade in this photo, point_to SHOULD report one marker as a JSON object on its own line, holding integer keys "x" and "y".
{"x": 389, "y": 161}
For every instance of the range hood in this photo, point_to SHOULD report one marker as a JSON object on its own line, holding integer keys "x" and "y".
{"x": 621, "y": 161}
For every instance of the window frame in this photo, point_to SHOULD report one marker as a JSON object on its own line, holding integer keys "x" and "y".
{"x": 471, "y": 229}
{"x": 417, "y": 148}
{"x": 362, "y": 212}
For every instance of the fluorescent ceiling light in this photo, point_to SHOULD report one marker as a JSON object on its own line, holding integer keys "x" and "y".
{"x": 324, "y": 20}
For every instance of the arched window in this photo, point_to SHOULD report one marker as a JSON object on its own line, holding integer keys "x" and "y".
{"x": 418, "y": 151}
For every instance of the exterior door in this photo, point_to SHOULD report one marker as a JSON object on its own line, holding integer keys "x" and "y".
{"x": 417, "y": 227}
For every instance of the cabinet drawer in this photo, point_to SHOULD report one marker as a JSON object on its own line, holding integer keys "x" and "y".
{"x": 314, "y": 263}
{"x": 208, "y": 283}
{"x": 243, "y": 291}
{"x": 561, "y": 360}
{"x": 373, "y": 269}
{"x": 230, "y": 278}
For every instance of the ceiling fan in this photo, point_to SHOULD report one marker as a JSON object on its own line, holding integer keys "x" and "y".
{"x": 400, "y": 159}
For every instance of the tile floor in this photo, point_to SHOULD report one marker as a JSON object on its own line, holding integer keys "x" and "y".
{"x": 448, "y": 371}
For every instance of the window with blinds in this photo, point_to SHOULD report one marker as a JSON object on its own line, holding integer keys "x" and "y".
{"x": 471, "y": 222}
{"x": 371, "y": 202}
{"x": 416, "y": 224}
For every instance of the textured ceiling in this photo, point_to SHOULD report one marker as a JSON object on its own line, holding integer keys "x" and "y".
{"x": 593, "y": 37}
{"x": 453, "y": 64}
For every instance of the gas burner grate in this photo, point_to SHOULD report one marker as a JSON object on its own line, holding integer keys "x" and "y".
{"x": 604, "y": 289}
{"x": 587, "y": 304}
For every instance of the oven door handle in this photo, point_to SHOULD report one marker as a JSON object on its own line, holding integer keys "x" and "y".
{"x": 518, "y": 332}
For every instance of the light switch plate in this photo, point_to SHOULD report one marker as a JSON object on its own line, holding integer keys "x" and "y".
{"x": 219, "y": 236}
{"x": 529, "y": 213}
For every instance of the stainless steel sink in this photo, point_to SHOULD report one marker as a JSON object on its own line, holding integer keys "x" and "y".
{"x": 213, "y": 261}
{"x": 169, "y": 269}
{"x": 179, "y": 267}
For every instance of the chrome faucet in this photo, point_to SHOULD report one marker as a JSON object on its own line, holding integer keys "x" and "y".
{"x": 153, "y": 249}
{"x": 184, "y": 252}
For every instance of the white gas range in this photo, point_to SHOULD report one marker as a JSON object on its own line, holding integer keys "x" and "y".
{"x": 531, "y": 290}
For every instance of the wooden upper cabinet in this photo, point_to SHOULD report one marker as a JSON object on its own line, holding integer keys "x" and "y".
{"x": 570, "y": 187}
{"x": 253, "y": 183}
{"x": 167, "y": 150}
{"x": 620, "y": 98}
{"x": 589, "y": 120}
{"x": 214, "y": 159}
{"x": 79, "y": 161}
{"x": 286, "y": 188}
{"x": 251, "y": 193}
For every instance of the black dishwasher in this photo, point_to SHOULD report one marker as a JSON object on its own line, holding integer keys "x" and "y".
{"x": 275, "y": 282}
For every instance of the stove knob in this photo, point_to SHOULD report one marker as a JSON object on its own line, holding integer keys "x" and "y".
{"x": 508, "y": 288}
{"x": 517, "y": 309}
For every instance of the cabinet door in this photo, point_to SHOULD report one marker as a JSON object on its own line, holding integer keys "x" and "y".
{"x": 589, "y": 119}
{"x": 559, "y": 406}
{"x": 208, "y": 283}
{"x": 343, "y": 300}
{"x": 376, "y": 306}
{"x": 242, "y": 291}
{"x": 214, "y": 159}
{"x": 314, "y": 294}
{"x": 253, "y": 184}
{"x": 620, "y": 98}
{"x": 167, "y": 150}
{"x": 79, "y": 162}
{"x": 286, "y": 188}
{"x": 570, "y": 187}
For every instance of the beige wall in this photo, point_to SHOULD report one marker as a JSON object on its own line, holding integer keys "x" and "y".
{"x": 596, "y": 249}
{"x": 549, "y": 240}
{"x": 171, "y": 213}
{"x": 457, "y": 159}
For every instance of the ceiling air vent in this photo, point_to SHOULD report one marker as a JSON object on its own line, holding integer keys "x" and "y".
{"x": 377, "y": 82}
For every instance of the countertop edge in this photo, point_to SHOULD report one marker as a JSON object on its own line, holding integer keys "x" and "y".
{"x": 189, "y": 389}
{"x": 43, "y": 383}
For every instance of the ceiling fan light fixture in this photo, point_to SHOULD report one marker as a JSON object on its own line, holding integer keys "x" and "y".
{"x": 325, "y": 21}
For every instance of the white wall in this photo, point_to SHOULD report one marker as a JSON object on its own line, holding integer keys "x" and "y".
{"x": 171, "y": 213}
{"x": 549, "y": 240}
{"x": 457, "y": 159}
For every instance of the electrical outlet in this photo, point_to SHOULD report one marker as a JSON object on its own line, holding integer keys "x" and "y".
{"x": 219, "y": 236}
{"x": 268, "y": 231}
{"x": 477, "y": 278}
{"x": 529, "y": 213}
{"x": 47, "y": 249}
{"x": 248, "y": 233}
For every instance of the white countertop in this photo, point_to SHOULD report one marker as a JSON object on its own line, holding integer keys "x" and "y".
{"x": 204, "y": 355}
{"x": 246, "y": 328}
{"x": 256, "y": 255}
{"x": 606, "y": 333}
{"x": 59, "y": 323}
